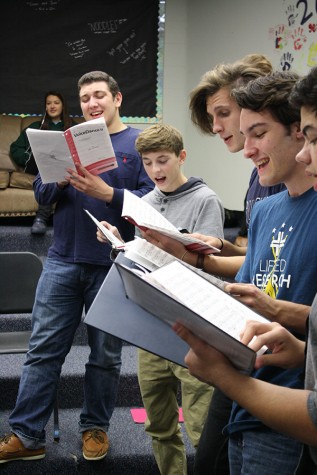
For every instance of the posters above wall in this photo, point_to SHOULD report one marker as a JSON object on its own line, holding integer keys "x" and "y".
{"x": 48, "y": 44}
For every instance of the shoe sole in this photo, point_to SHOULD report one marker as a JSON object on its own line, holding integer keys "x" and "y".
{"x": 38, "y": 232}
{"x": 91, "y": 459}
{"x": 32, "y": 457}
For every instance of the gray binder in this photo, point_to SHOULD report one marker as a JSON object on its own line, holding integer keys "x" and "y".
{"x": 113, "y": 312}
{"x": 130, "y": 308}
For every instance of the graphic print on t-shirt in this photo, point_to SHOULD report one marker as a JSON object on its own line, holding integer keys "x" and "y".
{"x": 273, "y": 276}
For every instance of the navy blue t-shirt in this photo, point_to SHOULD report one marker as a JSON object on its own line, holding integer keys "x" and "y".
{"x": 256, "y": 192}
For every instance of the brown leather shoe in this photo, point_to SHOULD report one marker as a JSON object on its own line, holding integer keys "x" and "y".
{"x": 95, "y": 444}
{"x": 11, "y": 448}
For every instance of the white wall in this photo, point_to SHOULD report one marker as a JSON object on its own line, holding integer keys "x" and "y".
{"x": 198, "y": 35}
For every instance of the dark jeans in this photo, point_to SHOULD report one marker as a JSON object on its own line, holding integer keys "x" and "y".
{"x": 212, "y": 452}
{"x": 263, "y": 451}
{"x": 63, "y": 291}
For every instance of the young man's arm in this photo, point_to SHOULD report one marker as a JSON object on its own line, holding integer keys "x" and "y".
{"x": 91, "y": 185}
{"x": 227, "y": 249}
{"x": 288, "y": 314}
{"x": 220, "y": 266}
{"x": 96, "y": 187}
{"x": 274, "y": 405}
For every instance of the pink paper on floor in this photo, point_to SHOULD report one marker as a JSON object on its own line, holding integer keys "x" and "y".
{"x": 139, "y": 415}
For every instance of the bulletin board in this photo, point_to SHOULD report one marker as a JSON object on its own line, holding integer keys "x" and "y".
{"x": 48, "y": 44}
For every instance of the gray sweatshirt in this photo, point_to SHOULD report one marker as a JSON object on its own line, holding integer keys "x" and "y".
{"x": 193, "y": 206}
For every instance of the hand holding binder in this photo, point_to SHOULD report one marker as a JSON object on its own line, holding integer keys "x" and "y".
{"x": 143, "y": 313}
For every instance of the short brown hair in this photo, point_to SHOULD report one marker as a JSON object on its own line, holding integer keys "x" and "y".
{"x": 95, "y": 76}
{"x": 159, "y": 137}
{"x": 304, "y": 93}
{"x": 270, "y": 93}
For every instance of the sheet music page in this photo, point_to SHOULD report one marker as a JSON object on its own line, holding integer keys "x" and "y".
{"x": 113, "y": 240}
{"x": 143, "y": 252}
{"x": 151, "y": 256}
{"x": 143, "y": 214}
{"x": 204, "y": 298}
{"x": 191, "y": 243}
{"x": 51, "y": 154}
{"x": 87, "y": 143}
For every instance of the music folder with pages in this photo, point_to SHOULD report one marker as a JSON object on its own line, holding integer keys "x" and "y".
{"x": 141, "y": 307}
{"x": 144, "y": 216}
{"x": 87, "y": 144}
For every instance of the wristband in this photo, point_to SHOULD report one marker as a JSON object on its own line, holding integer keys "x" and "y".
{"x": 200, "y": 261}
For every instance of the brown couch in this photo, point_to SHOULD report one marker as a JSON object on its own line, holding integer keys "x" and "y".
{"x": 16, "y": 193}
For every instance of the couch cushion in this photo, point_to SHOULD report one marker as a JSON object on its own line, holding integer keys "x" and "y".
{"x": 4, "y": 179}
{"x": 21, "y": 180}
{"x": 10, "y": 129}
{"x": 27, "y": 120}
{"x": 17, "y": 202}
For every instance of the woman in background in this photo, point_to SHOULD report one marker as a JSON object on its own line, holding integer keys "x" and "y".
{"x": 55, "y": 118}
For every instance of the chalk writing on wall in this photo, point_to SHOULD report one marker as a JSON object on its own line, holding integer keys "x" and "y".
{"x": 77, "y": 49}
{"x": 44, "y": 5}
{"x": 106, "y": 26}
{"x": 62, "y": 40}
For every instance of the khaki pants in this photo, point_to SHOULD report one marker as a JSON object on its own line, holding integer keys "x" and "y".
{"x": 159, "y": 381}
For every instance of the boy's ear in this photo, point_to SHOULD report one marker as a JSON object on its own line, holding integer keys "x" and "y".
{"x": 297, "y": 129}
{"x": 182, "y": 156}
{"x": 118, "y": 99}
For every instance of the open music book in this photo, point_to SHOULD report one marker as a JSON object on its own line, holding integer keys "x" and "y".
{"x": 174, "y": 293}
{"x": 141, "y": 307}
{"x": 112, "y": 239}
{"x": 145, "y": 254}
{"x": 87, "y": 144}
{"x": 164, "y": 290}
{"x": 152, "y": 258}
{"x": 144, "y": 216}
